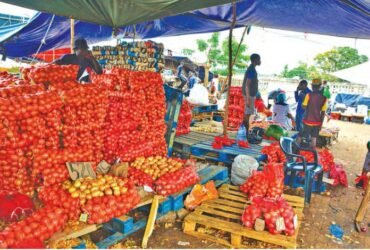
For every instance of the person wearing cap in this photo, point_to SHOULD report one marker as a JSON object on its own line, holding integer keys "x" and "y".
{"x": 315, "y": 105}
{"x": 282, "y": 113}
{"x": 300, "y": 94}
{"x": 83, "y": 57}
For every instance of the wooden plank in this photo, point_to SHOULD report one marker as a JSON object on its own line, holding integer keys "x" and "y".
{"x": 220, "y": 207}
{"x": 234, "y": 228}
{"x": 205, "y": 209}
{"x": 151, "y": 220}
{"x": 226, "y": 202}
{"x": 232, "y": 197}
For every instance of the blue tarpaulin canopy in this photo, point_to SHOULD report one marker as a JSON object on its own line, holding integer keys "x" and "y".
{"x": 352, "y": 100}
{"x": 338, "y": 18}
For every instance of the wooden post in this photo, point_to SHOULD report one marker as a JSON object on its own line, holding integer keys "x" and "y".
{"x": 226, "y": 119}
{"x": 206, "y": 73}
{"x": 72, "y": 34}
{"x": 236, "y": 54}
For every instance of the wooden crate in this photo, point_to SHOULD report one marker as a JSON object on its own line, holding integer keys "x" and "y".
{"x": 224, "y": 214}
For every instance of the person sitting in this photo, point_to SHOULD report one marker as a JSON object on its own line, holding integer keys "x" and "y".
{"x": 281, "y": 112}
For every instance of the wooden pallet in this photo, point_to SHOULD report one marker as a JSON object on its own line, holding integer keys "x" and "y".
{"x": 227, "y": 153}
{"x": 224, "y": 214}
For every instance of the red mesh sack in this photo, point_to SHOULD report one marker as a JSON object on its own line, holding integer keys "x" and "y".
{"x": 14, "y": 206}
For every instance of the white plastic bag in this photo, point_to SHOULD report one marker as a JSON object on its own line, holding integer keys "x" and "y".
{"x": 198, "y": 95}
{"x": 242, "y": 168}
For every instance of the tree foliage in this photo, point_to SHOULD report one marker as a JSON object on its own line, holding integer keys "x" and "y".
{"x": 330, "y": 61}
{"x": 188, "y": 52}
{"x": 339, "y": 58}
{"x": 217, "y": 53}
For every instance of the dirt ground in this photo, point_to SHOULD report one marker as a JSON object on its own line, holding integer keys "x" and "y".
{"x": 338, "y": 205}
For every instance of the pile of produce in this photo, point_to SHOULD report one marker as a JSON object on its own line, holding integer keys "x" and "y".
{"x": 236, "y": 108}
{"x": 134, "y": 123}
{"x": 57, "y": 120}
{"x": 51, "y": 73}
{"x": 141, "y": 56}
{"x": 87, "y": 188}
{"x": 41, "y": 225}
{"x": 7, "y": 79}
{"x": 274, "y": 153}
{"x": 102, "y": 207}
{"x": 157, "y": 166}
{"x": 184, "y": 121}
{"x": 267, "y": 183}
{"x": 166, "y": 175}
{"x": 278, "y": 215}
{"x": 326, "y": 158}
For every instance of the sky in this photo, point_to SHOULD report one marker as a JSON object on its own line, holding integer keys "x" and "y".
{"x": 276, "y": 47}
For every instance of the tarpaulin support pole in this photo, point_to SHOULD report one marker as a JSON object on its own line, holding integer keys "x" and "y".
{"x": 72, "y": 34}
{"x": 230, "y": 75}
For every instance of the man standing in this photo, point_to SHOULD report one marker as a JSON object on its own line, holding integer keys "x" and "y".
{"x": 180, "y": 75}
{"x": 250, "y": 88}
{"x": 300, "y": 93}
{"x": 315, "y": 105}
{"x": 82, "y": 57}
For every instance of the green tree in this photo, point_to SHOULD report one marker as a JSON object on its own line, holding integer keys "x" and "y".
{"x": 218, "y": 53}
{"x": 302, "y": 71}
{"x": 188, "y": 52}
{"x": 339, "y": 58}
{"x": 285, "y": 71}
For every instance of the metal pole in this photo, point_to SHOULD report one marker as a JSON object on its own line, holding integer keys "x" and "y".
{"x": 72, "y": 34}
{"x": 226, "y": 120}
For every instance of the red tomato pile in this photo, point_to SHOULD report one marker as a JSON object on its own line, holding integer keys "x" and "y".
{"x": 256, "y": 185}
{"x": 134, "y": 124}
{"x": 140, "y": 178}
{"x": 274, "y": 153}
{"x": 103, "y": 209}
{"x": 183, "y": 124}
{"x": 236, "y": 108}
{"x": 41, "y": 225}
{"x": 57, "y": 197}
{"x": 277, "y": 214}
{"x": 267, "y": 183}
{"x": 83, "y": 116}
{"x": 7, "y": 79}
{"x": 49, "y": 73}
{"x": 171, "y": 183}
{"x": 326, "y": 159}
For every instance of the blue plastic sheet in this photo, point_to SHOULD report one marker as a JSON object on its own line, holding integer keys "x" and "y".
{"x": 337, "y": 18}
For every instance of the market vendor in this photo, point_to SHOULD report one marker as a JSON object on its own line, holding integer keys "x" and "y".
{"x": 82, "y": 57}
{"x": 300, "y": 94}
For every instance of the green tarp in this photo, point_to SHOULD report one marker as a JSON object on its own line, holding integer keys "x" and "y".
{"x": 116, "y": 13}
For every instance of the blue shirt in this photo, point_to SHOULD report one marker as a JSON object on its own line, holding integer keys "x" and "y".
{"x": 299, "y": 97}
{"x": 192, "y": 82}
{"x": 251, "y": 74}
